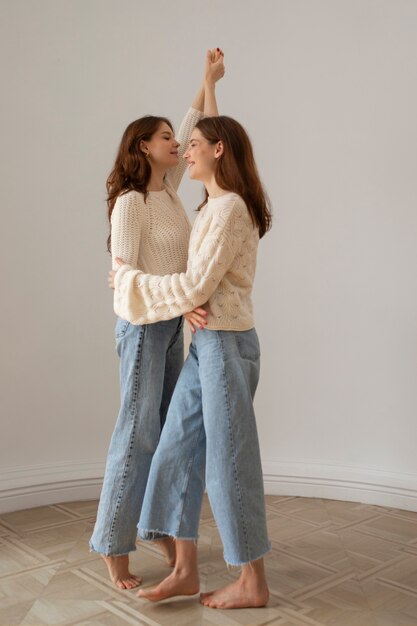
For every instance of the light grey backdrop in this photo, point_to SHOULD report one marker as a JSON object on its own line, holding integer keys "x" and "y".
{"x": 327, "y": 90}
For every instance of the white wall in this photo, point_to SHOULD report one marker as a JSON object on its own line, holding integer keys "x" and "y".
{"x": 328, "y": 94}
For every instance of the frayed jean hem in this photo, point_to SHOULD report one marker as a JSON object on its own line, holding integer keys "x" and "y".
{"x": 153, "y": 535}
{"x": 109, "y": 553}
{"x": 231, "y": 564}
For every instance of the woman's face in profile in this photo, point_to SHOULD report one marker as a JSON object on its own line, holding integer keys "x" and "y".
{"x": 163, "y": 147}
{"x": 200, "y": 156}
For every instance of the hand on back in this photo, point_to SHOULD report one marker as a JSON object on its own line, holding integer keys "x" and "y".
{"x": 196, "y": 319}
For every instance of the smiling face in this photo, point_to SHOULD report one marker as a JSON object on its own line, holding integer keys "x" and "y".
{"x": 162, "y": 147}
{"x": 201, "y": 156}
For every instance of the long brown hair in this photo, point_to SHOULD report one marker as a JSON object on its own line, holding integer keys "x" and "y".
{"x": 132, "y": 170}
{"x": 236, "y": 169}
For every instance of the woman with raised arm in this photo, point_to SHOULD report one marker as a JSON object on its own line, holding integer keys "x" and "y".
{"x": 210, "y": 435}
{"x": 150, "y": 229}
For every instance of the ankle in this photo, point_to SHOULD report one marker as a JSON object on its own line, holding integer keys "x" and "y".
{"x": 185, "y": 571}
{"x": 254, "y": 576}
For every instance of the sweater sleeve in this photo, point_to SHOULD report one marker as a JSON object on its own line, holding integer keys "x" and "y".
{"x": 191, "y": 118}
{"x": 125, "y": 229}
{"x": 144, "y": 298}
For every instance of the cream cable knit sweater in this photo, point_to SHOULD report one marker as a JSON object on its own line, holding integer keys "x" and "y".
{"x": 154, "y": 235}
{"x": 220, "y": 273}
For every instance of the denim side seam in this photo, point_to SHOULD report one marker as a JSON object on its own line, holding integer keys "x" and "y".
{"x": 92, "y": 549}
{"x": 135, "y": 395}
{"x": 232, "y": 445}
{"x": 187, "y": 477}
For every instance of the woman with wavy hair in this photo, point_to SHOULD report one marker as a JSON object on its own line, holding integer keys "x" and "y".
{"x": 150, "y": 230}
{"x": 210, "y": 436}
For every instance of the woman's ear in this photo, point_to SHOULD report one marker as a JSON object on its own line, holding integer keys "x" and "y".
{"x": 142, "y": 147}
{"x": 219, "y": 149}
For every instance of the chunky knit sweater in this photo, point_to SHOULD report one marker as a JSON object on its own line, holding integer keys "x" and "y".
{"x": 220, "y": 273}
{"x": 154, "y": 235}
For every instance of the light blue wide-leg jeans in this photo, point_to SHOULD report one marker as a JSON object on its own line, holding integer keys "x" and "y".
{"x": 210, "y": 437}
{"x": 151, "y": 358}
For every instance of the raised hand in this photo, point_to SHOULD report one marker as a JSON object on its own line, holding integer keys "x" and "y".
{"x": 214, "y": 66}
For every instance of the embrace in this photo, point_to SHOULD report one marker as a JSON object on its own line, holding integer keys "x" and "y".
{"x": 184, "y": 427}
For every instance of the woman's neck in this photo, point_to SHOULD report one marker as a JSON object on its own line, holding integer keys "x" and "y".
{"x": 156, "y": 181}
{"x": 213, "y": 189}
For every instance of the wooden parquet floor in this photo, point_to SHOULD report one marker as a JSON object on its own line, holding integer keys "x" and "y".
{"x": 333, "y": 564}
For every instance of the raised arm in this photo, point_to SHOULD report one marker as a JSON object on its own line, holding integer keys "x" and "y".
{"x": 175, "y": 174}
{"x": 213, "y": 71}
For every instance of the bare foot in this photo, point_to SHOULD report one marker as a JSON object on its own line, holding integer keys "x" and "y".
{"x": 167, "y": 546}
{"x": 179, "y": 583}
{"x": 237, "y": 595}
{"x": 118, "y": 567}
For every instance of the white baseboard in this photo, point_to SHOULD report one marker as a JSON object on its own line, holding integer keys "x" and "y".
{"x": 40, "y": 485}
{"x": 30, "y": 486}
{"x": 336, "y": 482}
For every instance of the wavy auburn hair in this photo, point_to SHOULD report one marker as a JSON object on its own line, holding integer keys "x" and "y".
{"x": 132, "y": 170}
{"x": 235, "y": 169}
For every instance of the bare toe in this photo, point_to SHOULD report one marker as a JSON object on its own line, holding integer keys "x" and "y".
{"x": 235, "y": 596}
{"x": 120, "y": 584}
{"x": 131, "y": 583}
{"x": 118, "y": 567}
{"x": 150, "y": 594}
{"x": 204, "y": 596}
{"x": 174, "y": 585}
